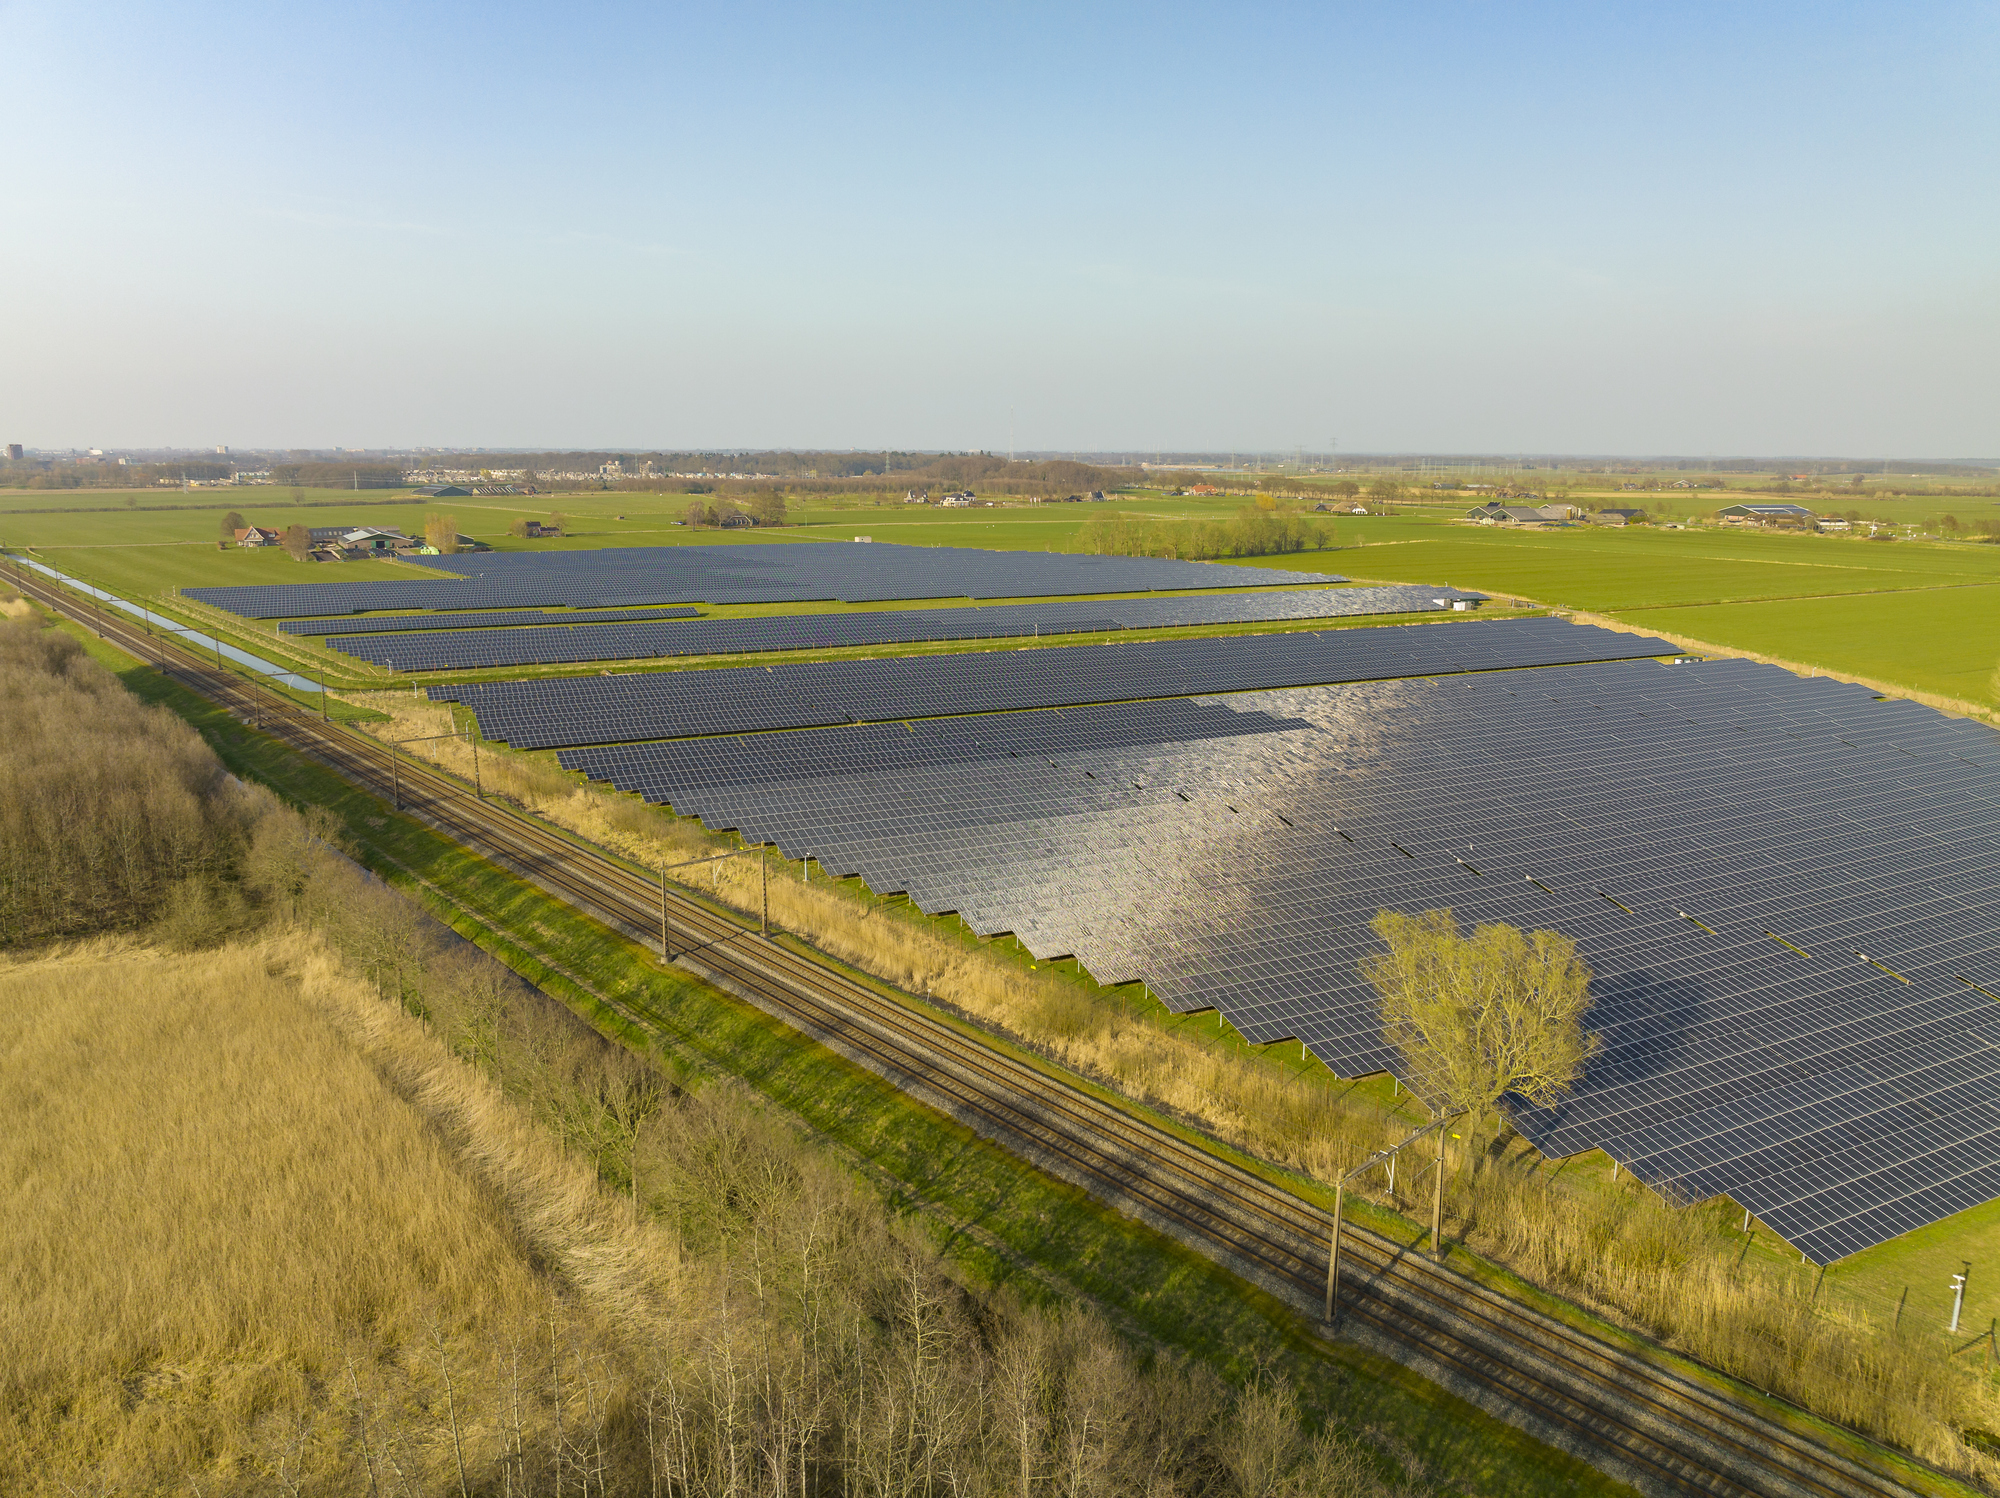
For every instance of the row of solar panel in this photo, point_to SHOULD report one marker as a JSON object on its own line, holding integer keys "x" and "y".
{"x": 400, "y": 623}
{"x": 466, "y": 650}
{"x": 797, "y": 572}
{"x": 677, "y": 704}
{"x": 1843, "y": 1103}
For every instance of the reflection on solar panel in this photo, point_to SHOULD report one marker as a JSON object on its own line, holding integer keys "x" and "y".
{"x": 677, "y": 704}
{"x": 1818, "y": 1037}
{"x": 466, "y": 650}
{"x": 385, "y": 623}
{"x": 795, "y": 572}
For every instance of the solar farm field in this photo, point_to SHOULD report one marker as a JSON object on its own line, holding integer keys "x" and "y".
{"x": 1725, "y": 841}
{"x": 678, "y": 704}
{"x": 576, "y": 639}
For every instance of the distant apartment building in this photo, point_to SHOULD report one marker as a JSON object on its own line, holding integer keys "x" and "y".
{"x": 14, "y": 451}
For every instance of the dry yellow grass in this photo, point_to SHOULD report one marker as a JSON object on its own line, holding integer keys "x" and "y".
{"x": 267, "y": 1234}
{"x": 230, "y": 1176}
{"x": 1661, "y": 1268}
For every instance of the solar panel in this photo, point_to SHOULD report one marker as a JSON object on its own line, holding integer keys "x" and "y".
{"x": 675, "y": 704}
{"x": 468, "y": 648}
{"x": 1231, "y": 852}
{"x": 793, "y": 572}
{"x": 488, "y": 619}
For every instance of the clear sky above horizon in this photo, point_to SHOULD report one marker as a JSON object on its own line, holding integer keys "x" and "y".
{"x": 1703, "y": 228}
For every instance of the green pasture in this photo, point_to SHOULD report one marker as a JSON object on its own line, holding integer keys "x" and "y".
{"x": 1912, "y": 1275}
{"x": 1943, "y": 640}
{"x": 1608, "y": 569}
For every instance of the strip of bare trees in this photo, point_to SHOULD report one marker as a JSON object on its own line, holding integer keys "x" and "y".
{"x": 1253, "y": 532}
{"x": 111, "y": 812}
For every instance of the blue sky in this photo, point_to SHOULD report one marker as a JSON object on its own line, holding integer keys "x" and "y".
{"x": 1742, "y": 228}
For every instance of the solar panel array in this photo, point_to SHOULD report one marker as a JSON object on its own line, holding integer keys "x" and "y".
{"x": 1750, "y": 1047}
{"x": 465, "y": 650}
{"x": 675, "y": 704}
{"x": 795, "y": 572}
{"x": 397, "y": 623}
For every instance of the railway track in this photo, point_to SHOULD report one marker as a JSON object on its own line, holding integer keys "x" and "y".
{"x": 1626, "y": 1413}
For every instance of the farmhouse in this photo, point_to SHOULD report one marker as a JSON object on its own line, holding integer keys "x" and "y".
{"x": 370, "y": 538}
{"x": 356, "y": 538}
{"x": 1780, "y": 515}
{"x": 256, "y": 535}
{"x": 1496, "y": 513}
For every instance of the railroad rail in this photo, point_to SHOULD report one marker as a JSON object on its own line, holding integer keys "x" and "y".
{"x": 1625, "y": 1412}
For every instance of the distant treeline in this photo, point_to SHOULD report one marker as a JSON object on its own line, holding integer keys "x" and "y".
{"x": 811, "y": 474}
{"x": 30, "y": 473}
{"x": 1252, "y": 532}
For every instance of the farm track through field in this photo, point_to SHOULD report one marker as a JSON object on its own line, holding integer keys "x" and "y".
{"x": 1628, "y": 1414}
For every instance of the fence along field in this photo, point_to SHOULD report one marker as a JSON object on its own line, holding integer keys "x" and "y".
{"x": 390, "y": 1220}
